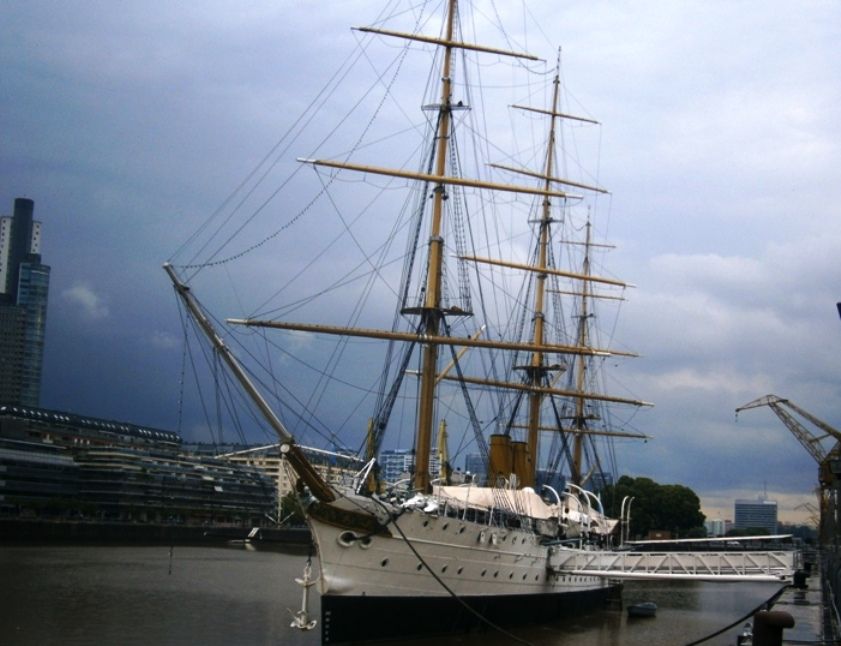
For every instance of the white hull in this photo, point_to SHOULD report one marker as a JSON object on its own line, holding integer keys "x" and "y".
{"x": 469, "y": 558}
{"x": 456, "y": 573}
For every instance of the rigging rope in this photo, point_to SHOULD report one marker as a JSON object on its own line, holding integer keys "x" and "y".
{"x": 765, "y": 604}
{"x": 392, "y": 520}
{"x": 318, "y": 195}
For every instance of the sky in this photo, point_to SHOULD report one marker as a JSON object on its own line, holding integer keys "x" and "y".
{"x": 129, "y": 123}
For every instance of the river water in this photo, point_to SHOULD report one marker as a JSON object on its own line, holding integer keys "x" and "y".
{"x": 235, "y": 594}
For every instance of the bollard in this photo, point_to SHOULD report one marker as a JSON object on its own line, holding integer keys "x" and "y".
{"x": 768, "y": 627}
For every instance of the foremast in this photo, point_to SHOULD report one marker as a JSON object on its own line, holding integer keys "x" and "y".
{"x": 431, "y": 309}
{"x": 432, "y": 306}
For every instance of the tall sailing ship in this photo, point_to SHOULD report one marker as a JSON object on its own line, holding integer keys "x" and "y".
{"x": 501, "y": 350}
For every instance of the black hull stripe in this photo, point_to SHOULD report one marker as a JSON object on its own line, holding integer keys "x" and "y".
{"x": 349, "y": 619}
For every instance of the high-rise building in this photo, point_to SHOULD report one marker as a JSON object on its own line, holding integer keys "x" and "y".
{"x": 399, "y": 464}
{"x": 715, "y": 527}
{"x": 24, "y": 286}
{"x": 476, "y": 465}
{"x": 756, "y": 514}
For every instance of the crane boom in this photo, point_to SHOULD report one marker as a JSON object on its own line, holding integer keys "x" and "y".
{"x": 810, "y": 441}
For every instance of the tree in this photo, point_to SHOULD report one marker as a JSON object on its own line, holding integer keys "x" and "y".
{"x": 671, "y": 507}
{"x": 291, "y": 511}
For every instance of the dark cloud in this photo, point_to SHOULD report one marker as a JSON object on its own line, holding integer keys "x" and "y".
{"x": 129, "y": 123}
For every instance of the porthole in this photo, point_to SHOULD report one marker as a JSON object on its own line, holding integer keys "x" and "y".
{"x": 460, "y": 570}
{"x": 524, "y": 577}
{"x": 426, "y": 523}
{"x": 511, "y": 575}
{"x": 496, "y": 574}
{"x": 419, "y": 567}
{"x": 445, "y": 525}
{"x": 461, "y": 530}
{"x": 484, "y": 572}
{"x": 443, "y": 569}
{"x": 384, "y": 562}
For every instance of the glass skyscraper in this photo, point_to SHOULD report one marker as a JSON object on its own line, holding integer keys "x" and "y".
{"x": 24, "y": 287}
{"x": 756, "y": 514}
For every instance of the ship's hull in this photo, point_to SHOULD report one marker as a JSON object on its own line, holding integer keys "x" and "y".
{"x": 424, "y": 573}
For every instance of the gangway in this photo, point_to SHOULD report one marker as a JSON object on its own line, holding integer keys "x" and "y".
{"x": 762, "y": 565}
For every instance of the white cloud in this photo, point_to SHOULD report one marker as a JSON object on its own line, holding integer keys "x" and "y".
{"x": 165, "y": 340}
{"x": 86, "y": 301}
{"x": 720, "y": 145}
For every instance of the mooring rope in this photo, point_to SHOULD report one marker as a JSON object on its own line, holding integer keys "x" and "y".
{"x": 765, "y": 604}
{"x": 393, "y": 521}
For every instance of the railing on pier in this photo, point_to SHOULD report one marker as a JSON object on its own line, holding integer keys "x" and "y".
{"x": 777, "y": 566}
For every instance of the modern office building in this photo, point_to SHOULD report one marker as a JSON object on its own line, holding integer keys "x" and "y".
{"x": 399, "y": 464}
{"x": 715, "y": 527}
{"x": 396, "y": 464}
{"x": 477, "y": 466}
{"x": 57, "y": 465}
{"x": 24, "y": 287}
{"x": 756, "y": 514}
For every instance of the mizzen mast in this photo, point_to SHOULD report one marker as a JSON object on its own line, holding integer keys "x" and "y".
{"x": 579, "y": 419}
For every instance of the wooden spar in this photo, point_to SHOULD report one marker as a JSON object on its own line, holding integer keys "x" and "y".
{"x": 469, "y": 342}
{"x": 433, "y": 178}
{"x": 588, "y": 431}
{"x": 546, "y": 270}
{"x": 593, "y": 245}
{"x": 454, "y": 44}
{"x": 511, "y": 385}
{"x": 606, "y": 297}
{"x": 554, "y": 180}
{"x": 293, "y": 453}
{"x": 555, "y": 113}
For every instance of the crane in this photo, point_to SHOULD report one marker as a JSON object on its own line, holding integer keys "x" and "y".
{"x": 827, "y": 492}
{"x": 811, "y": 442}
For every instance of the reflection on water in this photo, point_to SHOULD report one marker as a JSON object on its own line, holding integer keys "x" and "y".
{"x": 233, "y": 595}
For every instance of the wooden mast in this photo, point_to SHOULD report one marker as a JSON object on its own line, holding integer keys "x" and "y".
{"x": 537, "y": 369}
{"x": 432, "y": 305}
{"x": 579, "y": 421}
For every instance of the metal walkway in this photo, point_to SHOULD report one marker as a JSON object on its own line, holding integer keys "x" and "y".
{"x": 778, "y": 566}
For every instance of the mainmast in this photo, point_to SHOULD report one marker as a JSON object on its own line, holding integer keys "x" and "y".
{"x": 538, "y": 369}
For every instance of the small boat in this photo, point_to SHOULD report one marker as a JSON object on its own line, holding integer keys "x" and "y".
{"x": 642, "y": 609}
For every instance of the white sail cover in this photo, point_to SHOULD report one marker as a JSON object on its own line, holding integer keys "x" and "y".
{"x": 523, "y": 501}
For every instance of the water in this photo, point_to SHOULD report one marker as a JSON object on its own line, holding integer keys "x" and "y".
{"x": 126, "y": 595}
